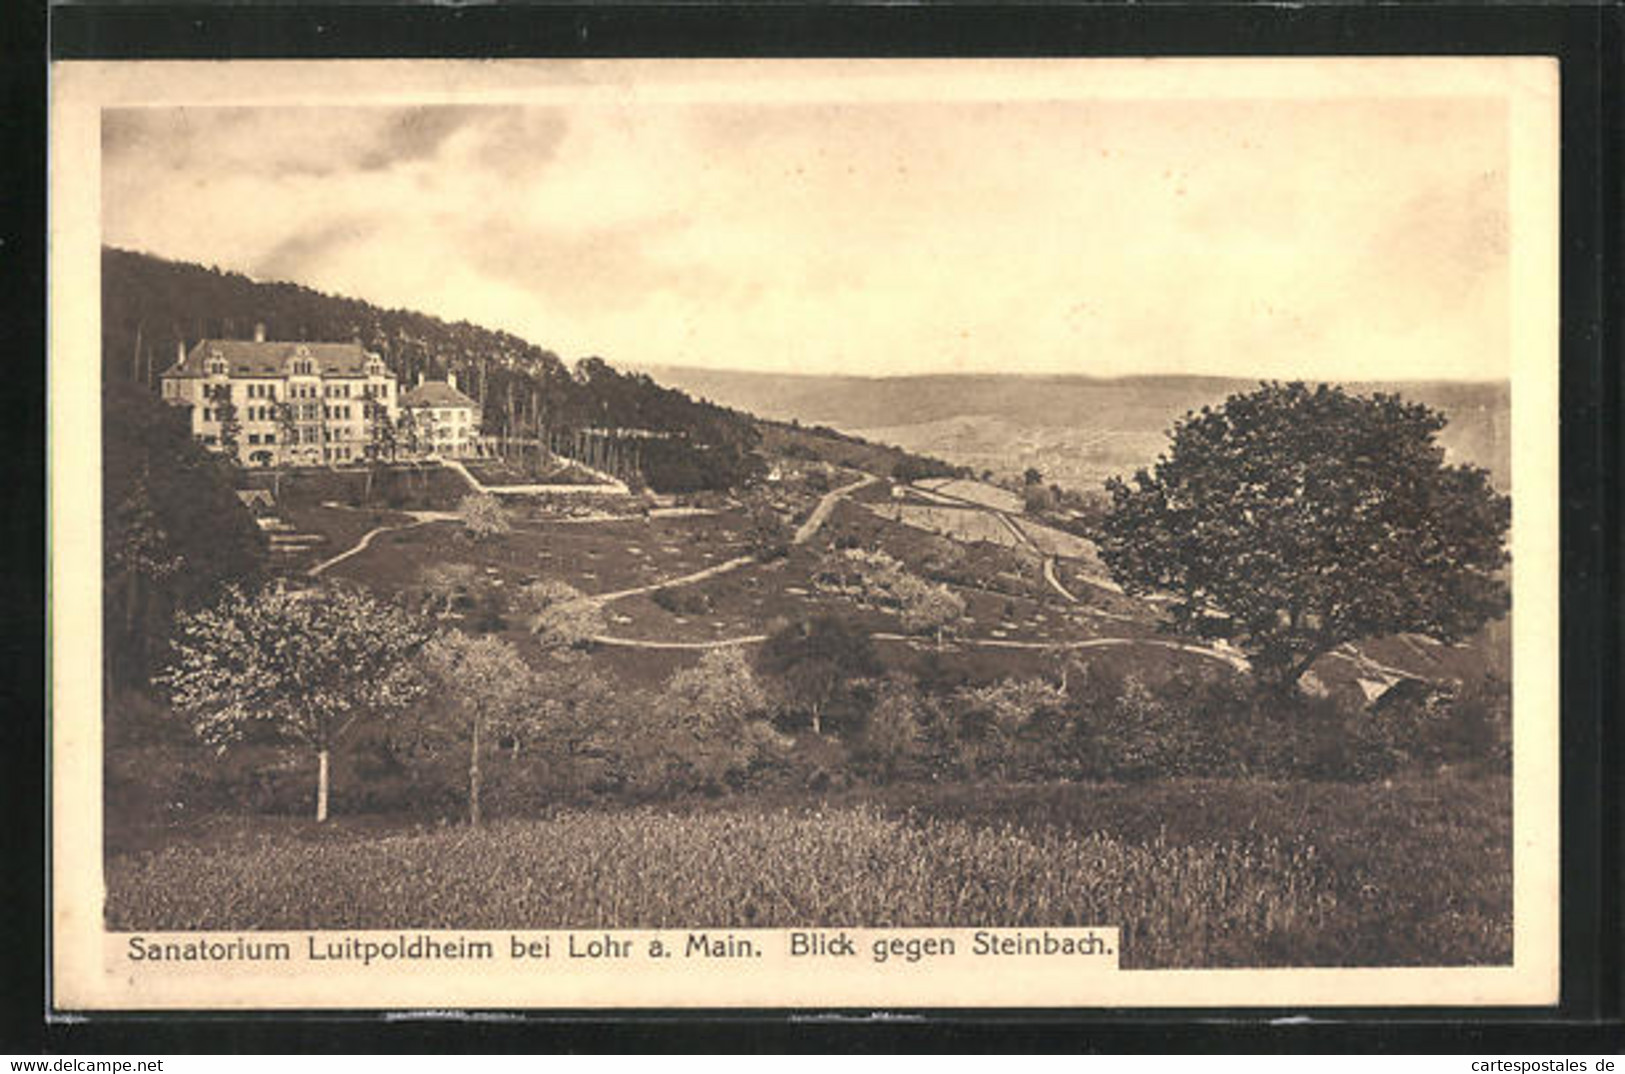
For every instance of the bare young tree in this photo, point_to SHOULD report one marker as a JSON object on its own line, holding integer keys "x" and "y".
{"x": 929, "y": 608}
{"x": 444, "y": 584}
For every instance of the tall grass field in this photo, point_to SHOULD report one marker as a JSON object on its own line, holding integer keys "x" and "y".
{"x": 1229, "y": 897}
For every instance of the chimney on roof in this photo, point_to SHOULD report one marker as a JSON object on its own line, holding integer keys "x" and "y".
{"x": 259, "y": 332}
{"x": 180, "y": 352}
{"x": 451, "y": 378}
{"x": 420, "y": 378}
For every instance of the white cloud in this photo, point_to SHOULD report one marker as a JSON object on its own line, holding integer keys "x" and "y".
{"x": 1246, "y": 237}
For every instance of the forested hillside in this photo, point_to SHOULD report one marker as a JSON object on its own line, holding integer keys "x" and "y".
{"x": 151, "y": 307}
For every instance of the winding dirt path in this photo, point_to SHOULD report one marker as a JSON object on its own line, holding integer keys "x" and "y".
{"x": 669, "y": 583}
{"x": 612, "y": 486}
{"x": 1372, "y": 668}
{"x": 1235, "y": 660}
{"x": 419, "y": 518}
{"x": 1018, "y": 531}
{"x": 820, "y": 515}
{"x": 808, "y": 530}
{"x": 810, "y": 527}
{"x": 639, "y": 643}
{"x": 1055, "y": 582}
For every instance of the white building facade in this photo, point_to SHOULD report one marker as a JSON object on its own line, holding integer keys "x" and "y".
{"x": 292, "y": 403}
{"x": 440, "y": 420}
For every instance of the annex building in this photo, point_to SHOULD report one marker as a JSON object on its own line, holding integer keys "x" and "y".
{"x": 290, "y": 402}
{"x": 440, "y": 420}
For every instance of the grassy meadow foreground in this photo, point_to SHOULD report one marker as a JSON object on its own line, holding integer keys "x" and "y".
{"x": 1195, "y": 872}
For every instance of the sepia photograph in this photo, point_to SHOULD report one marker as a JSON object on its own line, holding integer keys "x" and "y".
{"x": 679, "y": 532}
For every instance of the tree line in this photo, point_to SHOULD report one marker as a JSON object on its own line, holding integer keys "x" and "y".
{"x": 529, "y": 396}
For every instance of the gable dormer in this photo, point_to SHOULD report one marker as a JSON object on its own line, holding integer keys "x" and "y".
{"x": 301, "y": 363}
{"x": 375, "y": 366}
{"x": 215, "y": 363}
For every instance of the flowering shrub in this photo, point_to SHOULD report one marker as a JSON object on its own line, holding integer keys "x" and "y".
{"x": 483, "y": 515}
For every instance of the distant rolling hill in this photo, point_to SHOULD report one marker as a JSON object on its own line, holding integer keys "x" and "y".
{"x": 1076, "y": 430}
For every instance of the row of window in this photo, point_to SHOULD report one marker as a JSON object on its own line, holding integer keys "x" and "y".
{"x": 368, "y": 391}
{"x": 307, "y": 436}
{"x": 217, "y": 366}
{"x": 295, "y": 391}
{"x": 336, "y": 453}
{"x": 304, "y": 412}
{"x": 312, "y": 435}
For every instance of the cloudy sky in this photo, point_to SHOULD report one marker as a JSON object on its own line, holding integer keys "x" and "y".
{"x": 1263, "y": 237}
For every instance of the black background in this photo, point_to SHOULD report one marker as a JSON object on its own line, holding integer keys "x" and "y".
{"x": 1589, "y": 41}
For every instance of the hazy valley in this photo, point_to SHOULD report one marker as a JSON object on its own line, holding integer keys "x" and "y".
{"x": 1077, "y": 430}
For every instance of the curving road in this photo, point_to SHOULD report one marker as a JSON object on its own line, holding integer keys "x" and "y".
{"x": 820, "y": 515}
{"x": 612, "y": 486}
{"x": 419, "y": 518}
{"x": 1235, "y": 660}
{"x": 809, "y": 528}
{"x": 668, "y": 583}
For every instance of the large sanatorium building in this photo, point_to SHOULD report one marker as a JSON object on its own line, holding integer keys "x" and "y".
{"x": 312, "y": 403}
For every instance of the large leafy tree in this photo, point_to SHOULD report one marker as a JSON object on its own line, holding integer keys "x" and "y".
{"x": 713, "y": 721}
{"x": 816, "y": 661}
{"x": 483, "y": 684}
{"x": 301, "y": 667}
{"x": 1295, "y": 519}
{"x": 173, "y": 531}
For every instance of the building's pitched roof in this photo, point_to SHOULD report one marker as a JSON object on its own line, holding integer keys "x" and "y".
{"x": 437, "y": 393}
{"x": 247, "y": 358}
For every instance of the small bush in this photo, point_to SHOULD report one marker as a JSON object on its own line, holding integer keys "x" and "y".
{"x": 767, "y": 536}
{"x": 559, "y": 614}
{"x": 483, "y": 515}
{"x": 683, "y": 600}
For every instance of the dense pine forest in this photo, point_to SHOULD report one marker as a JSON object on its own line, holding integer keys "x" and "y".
{"x": 151, "y": 307}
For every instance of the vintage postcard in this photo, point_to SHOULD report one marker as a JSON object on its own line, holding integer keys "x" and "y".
{"x": 951, "y": 533}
